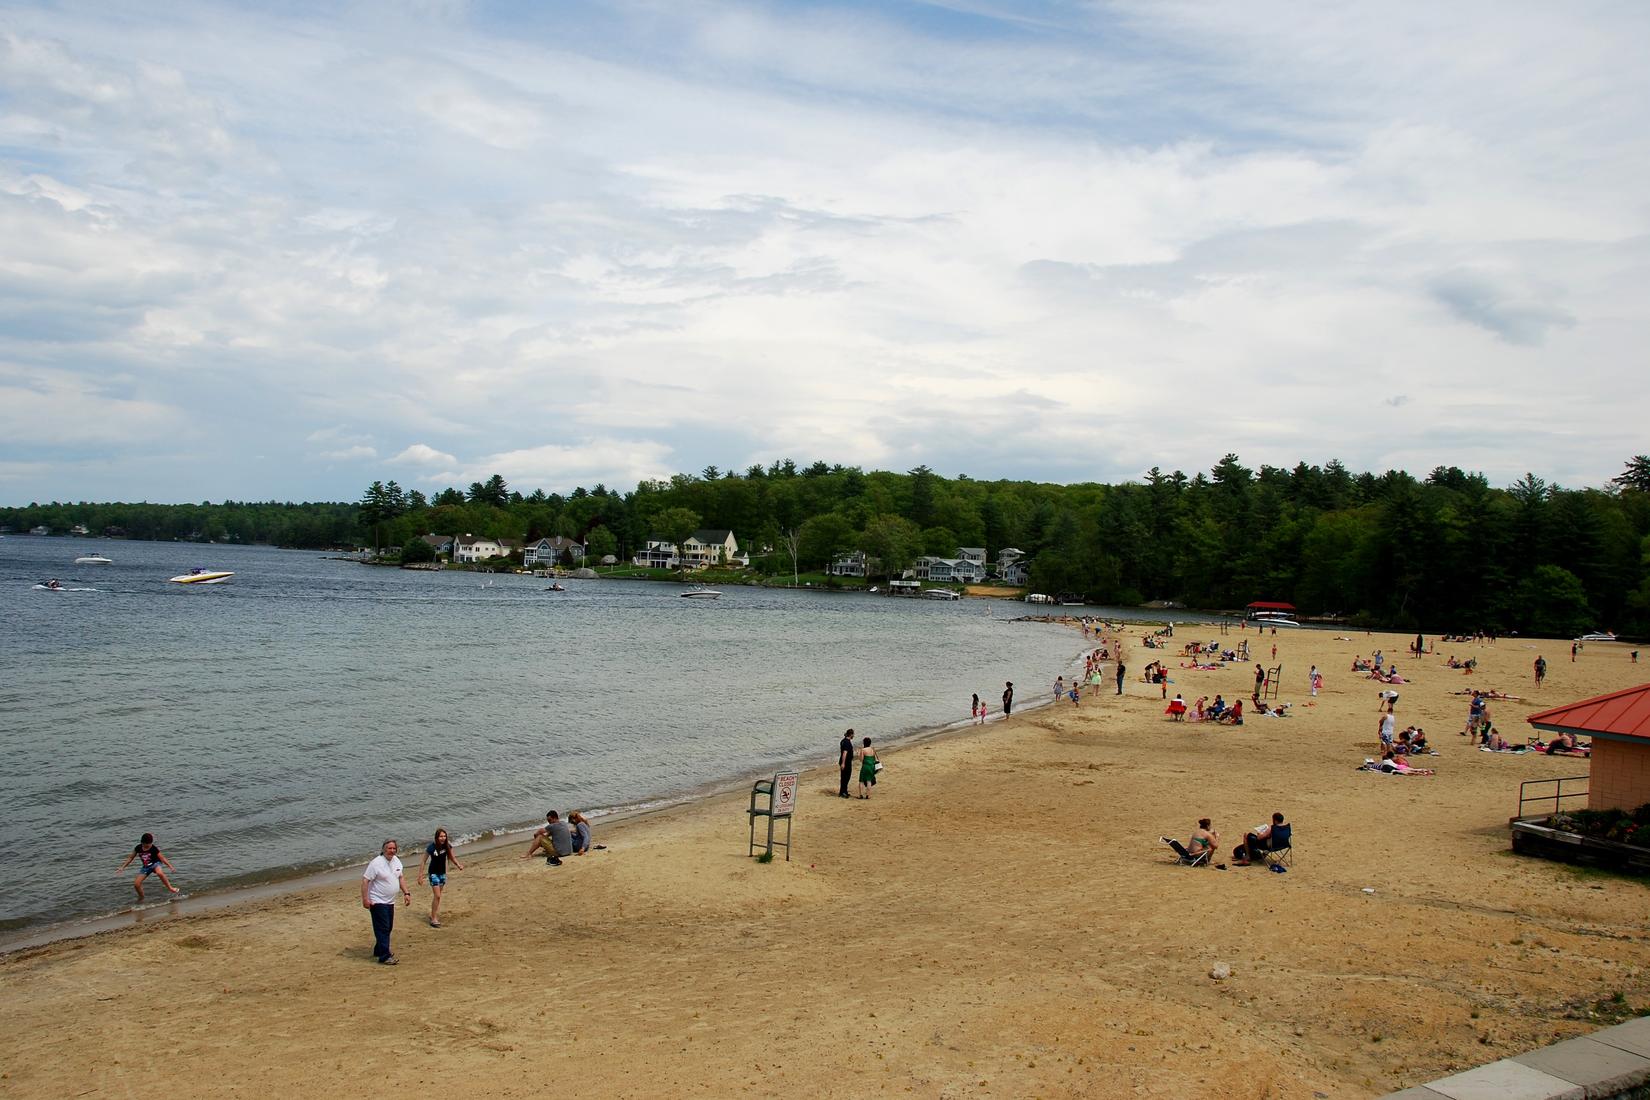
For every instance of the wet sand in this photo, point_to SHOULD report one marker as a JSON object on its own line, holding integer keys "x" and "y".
{"x": 999, "y": 920}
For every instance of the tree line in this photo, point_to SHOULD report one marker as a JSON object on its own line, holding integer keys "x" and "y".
{"x": 1445, "y": 552}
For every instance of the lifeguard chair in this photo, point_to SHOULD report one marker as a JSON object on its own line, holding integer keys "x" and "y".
{"x": 775, "y": 800}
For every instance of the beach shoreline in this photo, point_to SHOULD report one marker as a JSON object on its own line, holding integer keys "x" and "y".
{"x": 1027, "y": 934}
{"x": 305, "y": 880}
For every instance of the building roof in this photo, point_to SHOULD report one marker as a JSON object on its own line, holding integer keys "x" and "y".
{"x": 1269, "y": 605}
{"x": 710, "y": 535}
{"x": 1619, "y": 716}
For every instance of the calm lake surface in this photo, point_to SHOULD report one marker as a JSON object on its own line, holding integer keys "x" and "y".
{"x": 292, "y": 718}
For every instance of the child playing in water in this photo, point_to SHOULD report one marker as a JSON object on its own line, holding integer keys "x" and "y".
{"x": 150, "y": 862}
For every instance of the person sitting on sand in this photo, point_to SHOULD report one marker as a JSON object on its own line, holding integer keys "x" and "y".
{"x": 1217, "y": 709}
{"x": 555, "y": 840}
{"x": 1205, "y": 839}
{"x": 1562, "y": 744}
{"x": 580, "y": 826}
{"x": 1234, "y": 717}
{"x": 1257, "y": 842}
{"x": 1176, "y": 708}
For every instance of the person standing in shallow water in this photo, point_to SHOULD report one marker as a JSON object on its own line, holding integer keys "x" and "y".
{"x": 845, "y": 761}
{"x": 1008, "y": 697}
{"x": 150, "y": 862}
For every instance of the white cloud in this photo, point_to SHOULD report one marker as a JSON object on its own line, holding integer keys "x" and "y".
{"x": 420, "y": 454}
{"x": 659, "y": 237}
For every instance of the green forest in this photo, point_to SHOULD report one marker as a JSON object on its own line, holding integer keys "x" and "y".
{"x": 1447, "y": 552}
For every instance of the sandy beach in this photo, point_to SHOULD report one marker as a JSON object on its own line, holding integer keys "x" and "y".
{"x": 999, "y": 920}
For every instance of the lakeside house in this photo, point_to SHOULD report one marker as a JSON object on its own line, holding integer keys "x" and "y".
{"x": 549, "y": 552}
{"x": 441, "y": 544}
{"x": 975, "y": 554}
{"x": 474, "y": 548}
{"x": 949, "y": 570}
{"x": 852, "y": 564}
{"x": 1016, "y": 572}
{"x": 702, "y": 549}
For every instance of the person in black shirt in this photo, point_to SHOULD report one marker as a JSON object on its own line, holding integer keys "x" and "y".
{"x": 845, "y": 761}
{"x": 150, "y": 862}
{"x": 1008, "y": 697}
{"x": 440, "y": 850}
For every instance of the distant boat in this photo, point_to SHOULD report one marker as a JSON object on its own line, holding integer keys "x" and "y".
{"x": 1039, "y": 597}
{"x": 1597, "y": 636}
{"x": 93, "y": 559}
{"x": 939, "y": 594}
{"x": 700, "y": 592}
{"x": 203, "y": 576}
{"x": 1264, "y": 619}
{"x": 556, "y": 587}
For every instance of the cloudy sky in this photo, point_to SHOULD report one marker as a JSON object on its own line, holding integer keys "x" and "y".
{"x": 281, "y": 256}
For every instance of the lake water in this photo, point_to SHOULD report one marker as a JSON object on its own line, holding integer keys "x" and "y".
{"x": 292, "y": 718}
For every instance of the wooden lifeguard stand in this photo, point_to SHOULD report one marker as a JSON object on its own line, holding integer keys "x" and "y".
{"x": 777, "y": 803}
{"x": 1269, "y": 689}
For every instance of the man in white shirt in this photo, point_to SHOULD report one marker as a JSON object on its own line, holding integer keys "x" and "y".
{"x": 379, "y": 885}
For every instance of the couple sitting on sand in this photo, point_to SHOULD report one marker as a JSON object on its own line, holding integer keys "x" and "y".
{"x": 560, "y": 838}
{"x": 1204, "y": 843}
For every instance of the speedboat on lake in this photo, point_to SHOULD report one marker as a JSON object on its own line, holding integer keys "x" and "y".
{"x": 1597, "y": 636}
{"x": 200, "y": 575}
{"x": 93, "y": 559}
{"x": 700, "y": 592}
{"x": 939, "y": 594}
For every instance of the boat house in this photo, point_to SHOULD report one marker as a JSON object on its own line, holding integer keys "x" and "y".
{"x": 1619, "y": 724}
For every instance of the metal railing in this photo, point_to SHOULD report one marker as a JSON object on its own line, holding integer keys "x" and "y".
{"x": 1531, "y": 803}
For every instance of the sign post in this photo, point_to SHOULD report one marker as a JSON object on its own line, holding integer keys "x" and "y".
{"x": 780, "y": 794}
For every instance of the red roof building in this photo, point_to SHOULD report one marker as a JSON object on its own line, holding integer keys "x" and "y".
{"x": 1619, "y": 724}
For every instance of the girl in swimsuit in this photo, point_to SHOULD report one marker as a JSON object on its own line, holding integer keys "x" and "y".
{"x": 867, "y": 769}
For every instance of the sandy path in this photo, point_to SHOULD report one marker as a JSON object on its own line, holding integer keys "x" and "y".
{"x": 999, "y": 921}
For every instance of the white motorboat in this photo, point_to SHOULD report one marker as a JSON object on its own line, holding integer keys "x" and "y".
{"x": 93, "y": 559}
{"x": 700, "y": 592}
{"x": 1597, "y": 636}
{"x": 1039, "y": 597}
{"x": 940, "y": 594}
{"x": 1264, "y": 619}
{"x": 200, "y": 575}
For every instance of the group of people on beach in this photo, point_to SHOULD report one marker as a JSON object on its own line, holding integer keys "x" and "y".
{"x": 383, "y": 883}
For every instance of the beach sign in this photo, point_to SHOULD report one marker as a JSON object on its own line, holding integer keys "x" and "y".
{"x": 784, "y": 794}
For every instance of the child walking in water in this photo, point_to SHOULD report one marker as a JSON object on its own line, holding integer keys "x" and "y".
{"x": 436, "y": 855}
{"x": 150, "y": 862}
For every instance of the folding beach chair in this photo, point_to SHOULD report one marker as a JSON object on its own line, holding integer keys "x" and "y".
{"x": 1280, "y": 849}
{"x": 1185, "y": 857}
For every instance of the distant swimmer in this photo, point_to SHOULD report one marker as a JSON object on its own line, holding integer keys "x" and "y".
{"x": 150, "y": 862}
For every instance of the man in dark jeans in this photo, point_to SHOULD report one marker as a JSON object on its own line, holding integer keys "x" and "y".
{"x": 1120, "y": 671}
{"x": 845, "y": 760}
